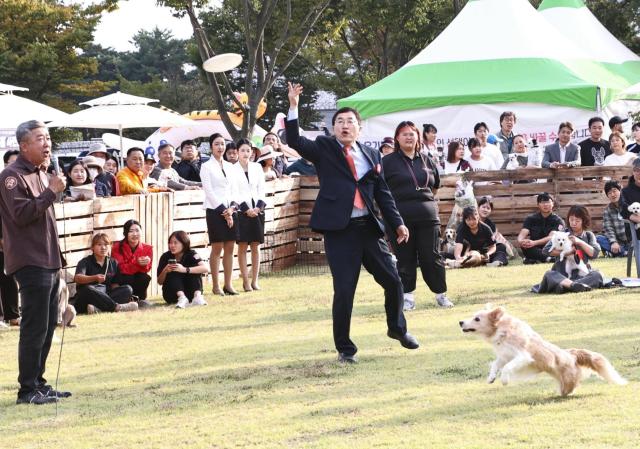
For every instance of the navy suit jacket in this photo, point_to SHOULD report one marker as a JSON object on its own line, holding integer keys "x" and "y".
{"x": 333, "y": 207}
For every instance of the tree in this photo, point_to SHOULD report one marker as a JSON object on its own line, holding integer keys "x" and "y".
{"x": 266, "y": 29}
{"x": 41, "y": 47}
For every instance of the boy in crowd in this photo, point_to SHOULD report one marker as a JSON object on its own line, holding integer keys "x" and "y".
{"x": 614, "y": 242}
{"x": 536, "y": 230}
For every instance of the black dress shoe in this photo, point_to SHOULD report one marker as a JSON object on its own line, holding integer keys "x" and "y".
{"x": 407, "y": 340}
{"x": 346, "y": 358}
{"x": 48, "y": 390}
{"x": 36, "y": 398}
{"x": 578, "y": 287}
{"x": 229, "y": 292}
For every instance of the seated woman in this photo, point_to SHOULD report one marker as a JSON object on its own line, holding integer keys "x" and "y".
{"x": 521, "y": 156}
{"x": 134, "y": 260}
{"x": 475, "y": 244}
{"x": 78, "y": 175}
{"x": 485, "y": 208}
{"x": 97, "y": 282}
{"x": 586, "y": 247}
{"x": 180, "y": 272}
{"x": 455, "y": 162}
{"x": 619, "y": 154}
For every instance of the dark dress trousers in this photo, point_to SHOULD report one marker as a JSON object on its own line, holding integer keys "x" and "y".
{"x": 351, "y": 243}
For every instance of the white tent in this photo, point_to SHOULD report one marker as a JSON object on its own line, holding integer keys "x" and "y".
{"x": 496, "y": 55}
{"x": 15, "y": 109}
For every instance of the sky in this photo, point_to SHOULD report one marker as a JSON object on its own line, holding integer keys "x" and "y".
{"x": 117, "y": 28}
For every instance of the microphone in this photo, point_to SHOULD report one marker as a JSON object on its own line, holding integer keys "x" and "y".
{"x": 55, "y": 163}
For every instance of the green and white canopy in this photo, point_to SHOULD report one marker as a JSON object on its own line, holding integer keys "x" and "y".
{"x": 574, "y": 20}
{"x": 496, "y": 55}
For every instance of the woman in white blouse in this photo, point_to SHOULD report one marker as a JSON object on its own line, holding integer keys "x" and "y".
{"x": 619, "y": 154}
{"x": 219, "y": 185}
{"x": 252, "y": 201}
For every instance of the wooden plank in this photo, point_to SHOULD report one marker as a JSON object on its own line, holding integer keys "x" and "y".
{"x": 308, "y": 194}
{"x": 191, "y": 226}
{"x": 188, "y": 197}
{"x": 112, "y": 219}
{"x": 281, "y": 224}
{"x": 316, "y": 246}
{"x": 75, "y": 226}
{"x": 74, "y": 257}
{"x": 75, "y": 242}
{"x": 113, "y": 204}
{"x": 309, "y": 181}
{"x": 73, "y": 209}
{"x": 188, "y": 211}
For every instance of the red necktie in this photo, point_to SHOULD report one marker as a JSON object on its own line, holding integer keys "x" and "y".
{"x": 357, "y": 199}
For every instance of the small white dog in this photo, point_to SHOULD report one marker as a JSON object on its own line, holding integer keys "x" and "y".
{"x": 560, "y": 241}
{"x": 521, "y": 353}
{"x": 513, "y": 160}
{"x": 634, "y": 208}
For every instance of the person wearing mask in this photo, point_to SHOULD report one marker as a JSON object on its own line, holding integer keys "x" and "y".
{"x": 505, "y": 135}
{"x": 619, "y": 154}
{"x": 99, "y": 151}
{"x": 595, "y": 149}
{"x": 180, "y": 272}
{"x": 32, "y": 255}
{"x": 536, "y": 230}
{"x": 562, "y": 153}
{"x": 97, "y": 281}
{"x": 251, "y": 203}
{"x": 189, "y": 166}
{"x": 219, "y": 185}
{"x": 134, "y": 260}
{"x": 614, "y": 240}
{"x": 635, "y": 146}
{"x": 166, "y": 175}
{"x": 558, "y": 280}
{"x": 455, "y": 162}
{"x": 413, "y": 180}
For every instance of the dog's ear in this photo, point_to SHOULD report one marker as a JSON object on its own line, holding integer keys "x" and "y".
{"x": 496, "y": 314}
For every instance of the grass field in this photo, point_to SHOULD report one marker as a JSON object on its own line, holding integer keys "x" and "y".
{"x": 259, "y": 370}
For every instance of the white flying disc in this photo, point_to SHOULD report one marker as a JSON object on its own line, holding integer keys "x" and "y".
{"x": 222, "y": 63}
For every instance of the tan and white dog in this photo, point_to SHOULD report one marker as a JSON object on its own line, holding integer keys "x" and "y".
{"x": 521, "y": 353}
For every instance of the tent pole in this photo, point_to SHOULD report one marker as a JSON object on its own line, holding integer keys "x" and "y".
{"x": 121, "y": 149}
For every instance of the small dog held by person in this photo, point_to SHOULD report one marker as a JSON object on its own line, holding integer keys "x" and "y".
{"x": 521, "y": 353}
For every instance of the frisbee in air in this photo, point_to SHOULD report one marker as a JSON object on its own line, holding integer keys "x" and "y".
{"x": 222, "y": 63}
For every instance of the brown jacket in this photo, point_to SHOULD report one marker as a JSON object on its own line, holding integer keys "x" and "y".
{"x": 28, "y": 219}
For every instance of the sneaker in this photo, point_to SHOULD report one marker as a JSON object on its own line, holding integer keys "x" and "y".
{"x": 183, "y": 302}
{"x": 409, "y": 301}
{"x": 128, "y": 307}
{"x": 92, "y": 310}
{"x": 144, "y": 304}
{"x": 3, "y": 326}
{"x": 443, "y": 301}
{"x": 198, "y": 300}
{"x": 36, "y": 398}
{"x": 48, "y": 390}
{"x": 495, "y": 263}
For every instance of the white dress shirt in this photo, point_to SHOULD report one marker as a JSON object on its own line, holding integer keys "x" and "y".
{"x": 563, "y": 153}
{"x": 219, "y": 183}
{"x": 252, "y": 190}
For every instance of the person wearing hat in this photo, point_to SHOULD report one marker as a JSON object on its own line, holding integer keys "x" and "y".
{"x": 536, "y": 230}
{"x": 386, "y": 147}
{"x": 99, "y": 150}
{"x": 615, "y": 124}
{"x": 267, "y": 159}
{"x": 595, "y": 149}
{"x": 151, "y": 184}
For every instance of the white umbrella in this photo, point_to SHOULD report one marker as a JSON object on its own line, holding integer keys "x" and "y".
{"x": 113, "y": 141}
{"x": 121, "y": 111}
{"x": 16, "y": 110}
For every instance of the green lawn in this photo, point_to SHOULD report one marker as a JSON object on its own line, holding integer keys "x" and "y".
{"x": 259, "y": 370}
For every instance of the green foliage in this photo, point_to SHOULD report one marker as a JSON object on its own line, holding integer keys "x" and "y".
{"x": 41, "y": 47}
{"x": 259, "y": 370}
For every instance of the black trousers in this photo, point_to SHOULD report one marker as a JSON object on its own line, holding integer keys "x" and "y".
{"x": 422, "y": 248}
{"x": 106, "y": 302}
{"x": 534, "y": 253}
{"x": 139, "y": 282}
{"x": 500, "y": 254}
{"x": 175, "y": 282}
{"x": 39, "y": 292}
{"x": 9, "y": 309}
{"x": 347, "y": 250}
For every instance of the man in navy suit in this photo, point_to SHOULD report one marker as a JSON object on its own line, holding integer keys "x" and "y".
{"x": 562, "y": 153}
{"x": 350, "y": 176}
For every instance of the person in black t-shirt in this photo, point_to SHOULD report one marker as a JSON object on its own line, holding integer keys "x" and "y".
{"x": 413, "y": 180}
{"x": 485, "y": 207}
{"x": 180, "y": 272}
{"x": 475, "y": 236}
{"x": 97, "y": 280}
{"x": 536, "y": 231}
{"x": 594, "y": 149}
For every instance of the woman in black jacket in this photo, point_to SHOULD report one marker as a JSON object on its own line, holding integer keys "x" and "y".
{"x": 413, "y": 180}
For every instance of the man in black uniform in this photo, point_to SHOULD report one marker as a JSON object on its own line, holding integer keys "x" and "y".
{"x": 33, "y": 255}
{"x": 536, "y": 230}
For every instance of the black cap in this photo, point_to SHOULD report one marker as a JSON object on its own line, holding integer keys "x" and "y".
{"x": 616, "y": 120}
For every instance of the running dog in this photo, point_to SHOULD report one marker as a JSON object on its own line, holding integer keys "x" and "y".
{"x": 521, "y": 353}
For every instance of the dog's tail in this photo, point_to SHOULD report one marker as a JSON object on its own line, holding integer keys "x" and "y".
{"x": 599, "y": 364}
